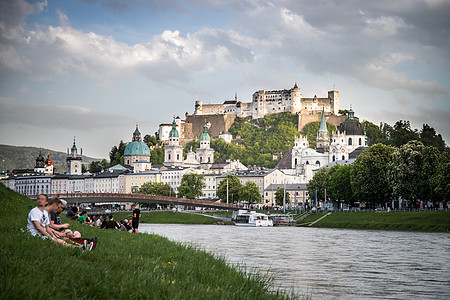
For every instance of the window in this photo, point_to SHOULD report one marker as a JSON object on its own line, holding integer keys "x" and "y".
{"x": 343, "y": 157}
{"x": 318, "y": 163}
{"x": 360, "y": 141}
{"x": 350, "y": 141}
{"x": 334, "y": 158}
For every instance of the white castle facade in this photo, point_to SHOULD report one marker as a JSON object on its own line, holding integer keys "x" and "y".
{"x": 266, "y": 102}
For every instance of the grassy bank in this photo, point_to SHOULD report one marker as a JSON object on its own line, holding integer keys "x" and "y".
{"x": 427, "y": 221}
{"x": 123, "y": 266}
{"x": 168, "y": 217}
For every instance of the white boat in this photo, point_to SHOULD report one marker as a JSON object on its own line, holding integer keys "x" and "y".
{"x": 251, "y": 219}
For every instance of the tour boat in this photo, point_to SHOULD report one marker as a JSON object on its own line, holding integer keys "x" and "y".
{"x": 251, "y": 219}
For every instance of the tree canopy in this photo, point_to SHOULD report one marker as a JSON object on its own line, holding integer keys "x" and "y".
{"x": 249, "y": 192}
{"x": 156, "y": 188}
{"x": 279, "y": 194}
{"x": 234, "y": 185}
{"x": 191, "y": 186}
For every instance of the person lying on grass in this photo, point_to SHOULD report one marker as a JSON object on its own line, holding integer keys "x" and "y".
{"x": 39, "y": 223}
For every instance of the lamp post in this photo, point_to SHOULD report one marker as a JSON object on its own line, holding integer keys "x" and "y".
{"x": 227, "y": 190}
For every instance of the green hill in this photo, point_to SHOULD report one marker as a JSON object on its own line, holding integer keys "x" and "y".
{"x": 22, "y": 157}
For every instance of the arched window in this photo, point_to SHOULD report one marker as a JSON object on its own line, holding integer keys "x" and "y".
{"x": 201, "y": 158}
{"x": 360, "y": 141}
{"x": 178, "y": 156}
{"x": 334, "y": 158}
{"x": 307, "y": 162}
{"x": 350, "y": 141}
{"x": 318, "y": 163}
{"x": 169, "y": 156}
{"x": 295, "y": 162}
{"x": 343, "y": 157}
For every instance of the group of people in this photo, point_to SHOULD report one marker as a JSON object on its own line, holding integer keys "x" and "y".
{"x": 44, "y": 221}
{"x": 107, "y": 221}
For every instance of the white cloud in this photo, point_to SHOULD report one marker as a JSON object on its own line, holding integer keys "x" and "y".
{"x": 58, "y": 116}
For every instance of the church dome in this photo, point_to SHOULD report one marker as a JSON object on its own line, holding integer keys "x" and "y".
{"x": 174, "y": 132}
{"x": 205, "y": 135}
{"x": 351, "y": 126}
{"x": 137, "y": 148}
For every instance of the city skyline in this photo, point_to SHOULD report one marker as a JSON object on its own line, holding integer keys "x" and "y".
{"x": 92, "y": 69}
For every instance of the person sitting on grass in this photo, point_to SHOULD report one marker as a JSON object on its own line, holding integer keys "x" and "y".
{"x": 84, "y": 219}
{"x": 54, "y": 206}
{"x": 73, "y": 213}
{"x": 39, "y": 223}
{"x": 111, "y": 224}
{"x": 55, "y": 220}
{"x": 127, "y": 225}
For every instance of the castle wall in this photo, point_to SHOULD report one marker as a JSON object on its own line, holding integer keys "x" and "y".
{"x": 219, "y": 123}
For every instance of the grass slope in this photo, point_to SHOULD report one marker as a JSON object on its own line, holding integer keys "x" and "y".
{"x": 167, "y": 217}
{"x": 427, "y": 221}
{"x": 123, "y": 266}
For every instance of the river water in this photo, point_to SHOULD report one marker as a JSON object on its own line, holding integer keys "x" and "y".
{"x": 330, "y": 263}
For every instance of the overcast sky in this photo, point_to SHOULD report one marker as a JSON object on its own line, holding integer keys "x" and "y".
{"x": 92, "y": 69}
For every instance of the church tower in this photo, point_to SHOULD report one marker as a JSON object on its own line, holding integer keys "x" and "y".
{"x": 173, "y": 153}
{"x": 73, "y": 161}
{"x": 40, "y": 164}
{"x": 322, "y": 140}
{"x": 205, "y": 155}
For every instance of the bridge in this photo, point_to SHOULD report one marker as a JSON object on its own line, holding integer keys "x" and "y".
{"x": 73, "y": 198}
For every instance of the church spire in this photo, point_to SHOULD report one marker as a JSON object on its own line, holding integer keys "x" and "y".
{"x": 136, "y": 134}
{"x": 323, "y": 123}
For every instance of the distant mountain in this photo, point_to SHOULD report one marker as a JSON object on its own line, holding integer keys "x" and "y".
{"x": 21, "y": 157}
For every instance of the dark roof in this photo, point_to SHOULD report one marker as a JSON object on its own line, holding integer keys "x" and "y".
{"x": 355, "y": 153}
{"x": 286, "y": 161}
{"x": 230, "y": 102}
{"x": 351, "y": 127}
{"x": 109, "y": 174}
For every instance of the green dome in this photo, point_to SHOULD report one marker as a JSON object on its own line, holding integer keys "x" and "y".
{"x": 137, "y": 148}
{"x": 205, "y": 135}
{"x": 174, "y": 131}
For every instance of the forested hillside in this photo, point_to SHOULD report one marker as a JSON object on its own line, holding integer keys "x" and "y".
{"x": 21, "y": 157}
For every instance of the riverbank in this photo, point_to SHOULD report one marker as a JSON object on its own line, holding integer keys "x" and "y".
{"x": 124, "y": 265}
{"x": 169, "y": 217}
{"x": 426, "y": 221}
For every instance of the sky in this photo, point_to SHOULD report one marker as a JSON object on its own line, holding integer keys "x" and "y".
{"x": 94, "y": 68}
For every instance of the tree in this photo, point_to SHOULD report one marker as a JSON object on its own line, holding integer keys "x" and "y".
{"x": 95, "y": 167}
{"x": 157, "y": 156}
{"x": 318, "y": 183}
{"x": 156, "y": 188}
{"x": 83, "y": 168}
{"x": 430, "y": 167}
{"x": 234, "y": 185}
{"x": 402, "y": 133}
{"x": 150, "y": 140}
{"x": 369, "y": 175}
{"x": 339, "y": 185}
{"x": 429, "y": 138}
{"x": 440, "y": 181}
{"x": 116, "y": 154}
{"x": 250, "y": 193}
{"x": 191, "y": 186}
{"x": 373, "y": 133}
{"x": 279, "y": 197}
{"x": 104, "y": 163}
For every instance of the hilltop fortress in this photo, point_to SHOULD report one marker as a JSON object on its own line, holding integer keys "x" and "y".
{"x": 220, "y": 117}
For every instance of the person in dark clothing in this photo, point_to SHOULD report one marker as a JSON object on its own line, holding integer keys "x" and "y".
{"x": 105, "y": 221}
{"x": 127, "y": 225}
{"x": 72, "y": 213}
{"x": 111, "y": 224}
{"x": 135, "y": 220}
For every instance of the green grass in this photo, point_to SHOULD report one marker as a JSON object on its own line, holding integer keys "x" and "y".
{"x": 310, "y": 218}
{"x": 123, "y": 266}
{"x": 427, "y": 221}
{"x": 167, "y": 217}
{"x": 220, "y": 213}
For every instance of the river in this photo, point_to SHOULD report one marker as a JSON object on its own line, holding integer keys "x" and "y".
{"x": 330, "y": 263}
